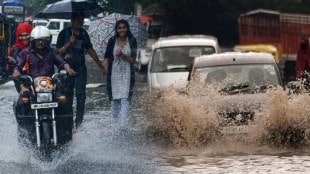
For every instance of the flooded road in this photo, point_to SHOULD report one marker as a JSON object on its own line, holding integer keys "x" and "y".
{"x": 100, "y": 146}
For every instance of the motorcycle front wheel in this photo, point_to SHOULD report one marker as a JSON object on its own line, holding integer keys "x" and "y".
{"x": 46, "y": 140}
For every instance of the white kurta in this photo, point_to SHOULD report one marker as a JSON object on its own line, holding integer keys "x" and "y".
{"x": 120, "y": 77}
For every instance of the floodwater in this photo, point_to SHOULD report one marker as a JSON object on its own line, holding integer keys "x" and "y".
{"x": 167, "y": 133}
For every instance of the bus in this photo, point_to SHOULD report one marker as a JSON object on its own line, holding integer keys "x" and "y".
{"x": 14, "y": 9}
{"x": 7, "y": 39}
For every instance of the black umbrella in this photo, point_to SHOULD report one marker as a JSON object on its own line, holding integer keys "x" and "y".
{"x": 63, "y": 9}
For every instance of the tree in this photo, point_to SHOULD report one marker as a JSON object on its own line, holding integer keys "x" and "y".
{"x": 35, "y": 6}
{"x": 118, "y": 6}
{"x": 219, "y": 18}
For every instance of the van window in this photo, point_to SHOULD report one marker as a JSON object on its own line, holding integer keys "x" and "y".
{"x": 54, "y": 26}
{"x": 67, "y": 24}
{"x": 174, "y": 59}
{"x": 85, "y": 27}
{"x": 40, "y": 23}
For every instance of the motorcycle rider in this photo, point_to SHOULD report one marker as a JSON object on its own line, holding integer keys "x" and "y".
{"x": 37, "y": 60}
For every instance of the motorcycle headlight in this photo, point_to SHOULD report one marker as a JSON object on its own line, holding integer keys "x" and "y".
{"x": 44, "y": 97}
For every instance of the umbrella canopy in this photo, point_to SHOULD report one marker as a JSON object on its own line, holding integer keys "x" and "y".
{"x": 102, "y": 29}
{"x": 63, "y": 9}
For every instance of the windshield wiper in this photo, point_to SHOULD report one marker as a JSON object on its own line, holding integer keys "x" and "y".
{"x": 175, "y": 69}
{"x": 237, "y": 88}
{"x": 178, "y": 69}
{"x": 263, "y": 87}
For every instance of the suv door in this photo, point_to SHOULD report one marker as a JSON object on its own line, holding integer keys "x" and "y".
{"x": 66, "y": 24}
{"x": 54, "y": 27}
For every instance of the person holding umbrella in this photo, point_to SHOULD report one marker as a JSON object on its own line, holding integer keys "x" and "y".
{"x": 72, "y": 42}
{"x": 119, "y": 63}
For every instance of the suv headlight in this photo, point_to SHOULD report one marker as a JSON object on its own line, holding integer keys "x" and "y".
{"x": 44, "y": 97}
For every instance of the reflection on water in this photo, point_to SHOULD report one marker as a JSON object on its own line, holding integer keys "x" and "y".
{"x": 169, "y": 132}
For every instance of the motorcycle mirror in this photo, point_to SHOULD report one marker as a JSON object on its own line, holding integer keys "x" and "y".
{"x": 63, "y": 72}
{"x": 26, "y": 80}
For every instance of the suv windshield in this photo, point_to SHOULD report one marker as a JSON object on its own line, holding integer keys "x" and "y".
{"x": 239, "y": 76}
{"x": 175, "y": 59}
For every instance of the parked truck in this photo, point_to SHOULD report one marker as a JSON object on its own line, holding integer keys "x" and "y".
{"x": 283, "y": 30}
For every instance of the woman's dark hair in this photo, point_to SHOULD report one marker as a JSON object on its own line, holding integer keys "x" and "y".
{"x": 123, "y": 21}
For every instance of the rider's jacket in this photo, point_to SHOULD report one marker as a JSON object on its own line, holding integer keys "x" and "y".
{"x": 29, "y": 62}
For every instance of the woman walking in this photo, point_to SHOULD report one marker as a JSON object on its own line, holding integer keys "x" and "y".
{"x": 119, "y": 58}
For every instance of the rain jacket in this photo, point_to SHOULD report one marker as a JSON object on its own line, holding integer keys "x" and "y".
{"x": 109, "y": 55}
{"x": 303, "y": 59}
{"x": 16, "y": 48}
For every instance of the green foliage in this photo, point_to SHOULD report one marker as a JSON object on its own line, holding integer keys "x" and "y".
{"x": 35, "y": 6}
{"x": 146, "y": 3}
{"x": 219, "y": 18}
{"x": 120, "y": 6}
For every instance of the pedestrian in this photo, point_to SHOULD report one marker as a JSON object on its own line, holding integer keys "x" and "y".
{"x": 119, "y": 63}
{"x": 303, "y": 58}
{"x": 22, "y": 42}
{"x": 72, "y": 43}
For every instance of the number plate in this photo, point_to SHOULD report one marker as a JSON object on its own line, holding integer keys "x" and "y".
{"x": 44, "y": 105}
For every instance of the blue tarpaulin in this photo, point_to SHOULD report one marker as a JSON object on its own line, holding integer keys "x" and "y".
{"x": 13, "y": 3}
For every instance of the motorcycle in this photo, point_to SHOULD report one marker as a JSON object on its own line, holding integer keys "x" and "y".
{"x": 43, "y": 113}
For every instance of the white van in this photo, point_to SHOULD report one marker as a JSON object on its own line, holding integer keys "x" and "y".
{"x": 172, "y": 58}
{"x": 55, "y": 26}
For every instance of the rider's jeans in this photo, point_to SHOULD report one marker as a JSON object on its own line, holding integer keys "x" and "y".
{"x": 120, "y": 110}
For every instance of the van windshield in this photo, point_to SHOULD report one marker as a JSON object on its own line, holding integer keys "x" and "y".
{"x": 176, "y": 59}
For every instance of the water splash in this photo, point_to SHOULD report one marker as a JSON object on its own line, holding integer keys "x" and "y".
{"x": 285, "y": 120}
{"x": 189, "y": 118}
{"x": 180, "y": 119}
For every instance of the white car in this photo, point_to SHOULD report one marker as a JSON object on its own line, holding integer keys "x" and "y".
{"x": 172, "y": 58}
